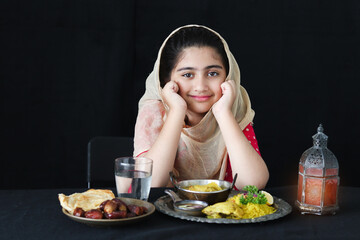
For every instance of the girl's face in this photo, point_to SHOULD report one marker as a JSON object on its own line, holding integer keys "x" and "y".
{"x": 199, "y": 74}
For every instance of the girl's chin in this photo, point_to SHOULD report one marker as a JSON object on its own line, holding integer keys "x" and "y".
{"x": 200, "y": 107}
{"x": 199, "y": 111}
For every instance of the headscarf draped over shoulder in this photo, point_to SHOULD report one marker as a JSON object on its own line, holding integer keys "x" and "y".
{"x": 201, "y": 150}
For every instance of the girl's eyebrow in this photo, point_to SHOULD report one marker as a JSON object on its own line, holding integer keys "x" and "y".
{"x": 192, "y": 68}
{"x": 185, "y": 68}
{"x": 214, "y": 66}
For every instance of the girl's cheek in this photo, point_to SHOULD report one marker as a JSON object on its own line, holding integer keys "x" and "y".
{"x": 219, "y": 91}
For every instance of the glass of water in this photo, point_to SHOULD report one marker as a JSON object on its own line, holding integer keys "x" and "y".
{"x": 133, "y": 177}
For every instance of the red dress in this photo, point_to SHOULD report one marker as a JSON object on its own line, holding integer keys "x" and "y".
{"x": 250, "y": 135}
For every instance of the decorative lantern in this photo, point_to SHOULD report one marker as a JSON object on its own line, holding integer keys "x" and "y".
{"x": 318, "y": 181}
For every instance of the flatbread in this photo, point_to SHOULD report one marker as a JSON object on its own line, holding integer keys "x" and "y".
{"x": 91, "y": 199}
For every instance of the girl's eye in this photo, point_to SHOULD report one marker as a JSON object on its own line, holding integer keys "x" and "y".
{"x": 213, "y": 74}
{"x": 187, "y": 75}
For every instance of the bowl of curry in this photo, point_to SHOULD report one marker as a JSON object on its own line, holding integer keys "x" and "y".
{"x": 209, "y": 190}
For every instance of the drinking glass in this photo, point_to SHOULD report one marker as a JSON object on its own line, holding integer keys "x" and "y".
{"x": 133, "y": 177}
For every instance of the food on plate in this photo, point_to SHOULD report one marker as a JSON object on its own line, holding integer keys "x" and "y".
{"x": 110, "y": 206}
{"x": 221, "y": 209}
{"x": 79, "y": 212}
{"x": 210, "y": 187}
{"x": 137, "y": 210}
{"x": 99, "y": 204}
{"x": 251, "y": 203}
{"x": 269, "y": 198}
{"x": 94, "y": 214}
{"x": 91, "y": 199}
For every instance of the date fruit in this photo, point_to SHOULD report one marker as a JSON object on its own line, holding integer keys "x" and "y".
{"x": 110, "y": 206}
{"x": 79, "y": 212}
{"x": 137, "y": 210}
{"x": 121, "y": 205}
{"x": 116, "y": 214}
{"x": 103, "y": 204}
{"x": 94, "y": 214}
{"x": 112, "y": 209}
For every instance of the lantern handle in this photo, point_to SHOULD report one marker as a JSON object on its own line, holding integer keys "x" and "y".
{"x": 320, "y": 128}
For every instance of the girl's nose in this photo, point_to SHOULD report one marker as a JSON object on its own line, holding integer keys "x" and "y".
{"x": 200, "y": 84}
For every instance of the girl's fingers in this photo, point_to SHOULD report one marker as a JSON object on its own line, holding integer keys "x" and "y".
{"x": 172, "y": 86}
{"x": 225, "y": 86}
{"x": 175, "y": 87}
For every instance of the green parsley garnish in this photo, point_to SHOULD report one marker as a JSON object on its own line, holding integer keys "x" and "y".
{"x": 252, "y": 195}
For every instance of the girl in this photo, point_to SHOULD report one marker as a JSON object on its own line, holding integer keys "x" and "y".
{"x": 195, "y": 118}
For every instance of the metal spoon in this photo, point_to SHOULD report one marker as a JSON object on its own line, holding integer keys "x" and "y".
{"x": 189, "y": 207}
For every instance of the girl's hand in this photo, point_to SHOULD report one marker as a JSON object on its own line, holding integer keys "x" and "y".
{"x": 171, "y": 97}
{"x": 225, "y": 103}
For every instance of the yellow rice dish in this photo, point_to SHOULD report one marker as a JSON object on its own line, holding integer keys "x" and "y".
{"x": 233, "y": 209}
{"x": 210, "y": 187}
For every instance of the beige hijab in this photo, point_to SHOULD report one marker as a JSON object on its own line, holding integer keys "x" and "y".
{"x": 201, "y": 151}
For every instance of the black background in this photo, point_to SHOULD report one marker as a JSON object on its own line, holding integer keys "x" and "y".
{"x": 72, "y": 70}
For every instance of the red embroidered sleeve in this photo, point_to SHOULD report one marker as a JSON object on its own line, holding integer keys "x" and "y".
{"x": 250, "y": 135}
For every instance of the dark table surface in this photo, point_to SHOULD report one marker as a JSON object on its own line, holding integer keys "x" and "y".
{"x": 36, "y": 214}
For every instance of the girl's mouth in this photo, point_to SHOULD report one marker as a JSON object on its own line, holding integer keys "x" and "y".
{"x": 200, "y": 98}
